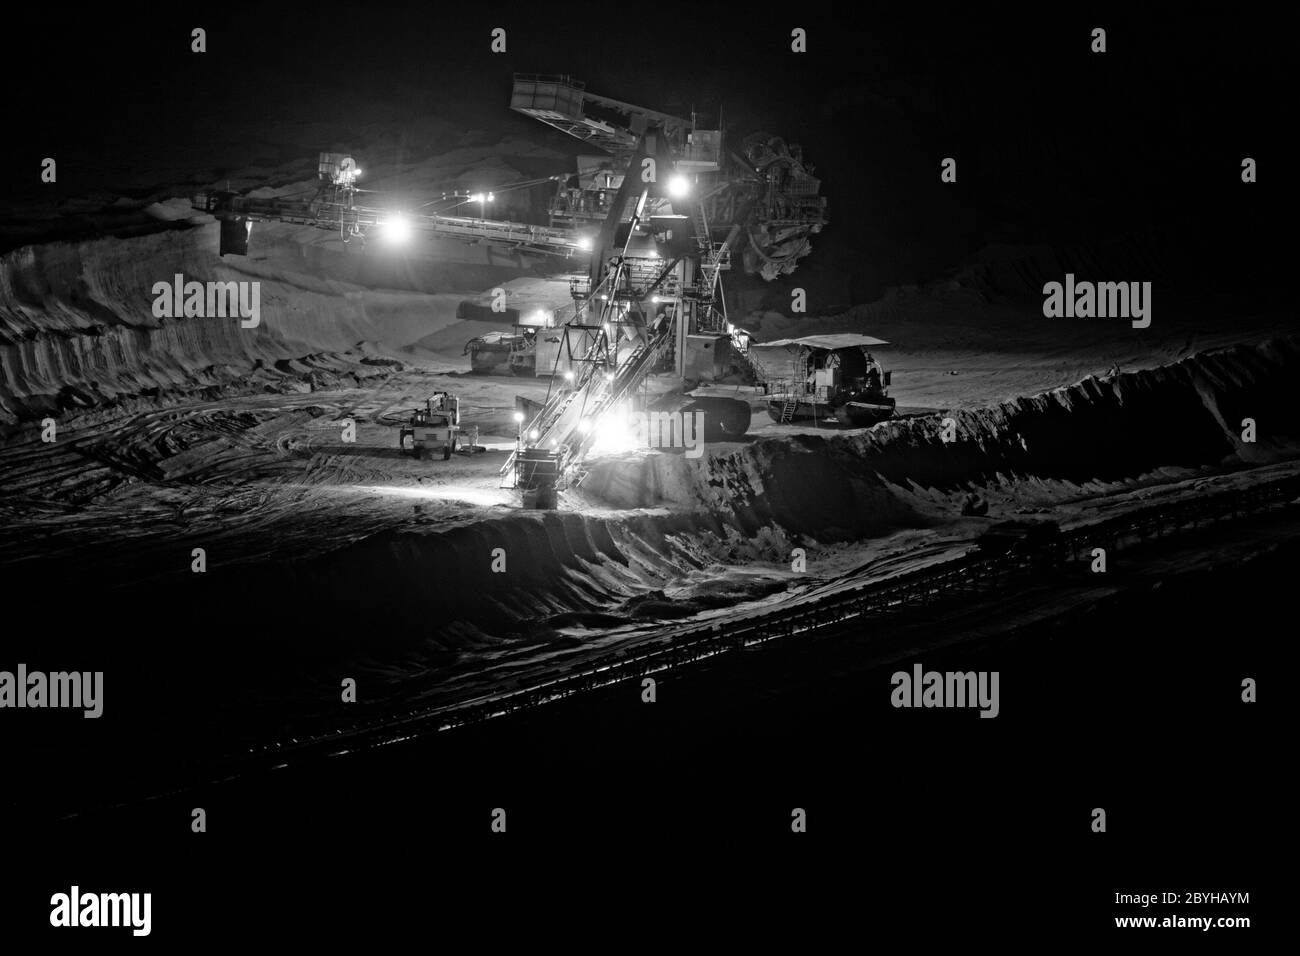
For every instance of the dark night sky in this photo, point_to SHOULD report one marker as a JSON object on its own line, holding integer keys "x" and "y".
{"x": 1054, "y": 143}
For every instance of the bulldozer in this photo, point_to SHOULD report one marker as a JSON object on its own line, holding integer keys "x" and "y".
{"x": 434, "y": 428}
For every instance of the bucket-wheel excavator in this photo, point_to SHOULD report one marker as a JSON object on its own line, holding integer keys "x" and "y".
{"x": 646, "y": 211}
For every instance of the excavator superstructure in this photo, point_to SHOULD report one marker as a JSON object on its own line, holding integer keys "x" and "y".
{"x": 652, "y": 303}
{"x": 762, "y": 186}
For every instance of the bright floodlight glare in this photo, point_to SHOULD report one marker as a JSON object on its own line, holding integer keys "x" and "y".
{"x": 476, "y": 197}
{"x": 534, "y": 434}
{"x": 678, "y": 186}
{"x": 396, "y": 229}
{"x": 568, "y": 376}
{"x": 584, "y": 425}
{"x": 519, "y": 416}
{"x": 584, "y": 244}
{"x": 616, "y": 432}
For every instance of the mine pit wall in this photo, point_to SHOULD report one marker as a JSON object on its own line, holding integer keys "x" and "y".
{"x": 77, "y": 327}
{"x": 1182, "y": 416}
{"x": 1174, "y": 257}
{"x": 78, "y": 316}
{"x": 803, "y": 485}
{"x": 426, "y": 265}
{"x": 437, "y": 588}
{"x": 1018, "y": 273}
{"x": 425, "y": 598}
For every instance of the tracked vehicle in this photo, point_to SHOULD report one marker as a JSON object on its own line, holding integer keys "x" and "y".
{"x": 827, "y": 380}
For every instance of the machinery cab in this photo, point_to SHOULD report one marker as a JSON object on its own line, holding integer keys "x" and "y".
{"x": 834, "y": 376}
{"x": 436, "y": 427}
{"x": 440, "y": 410}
